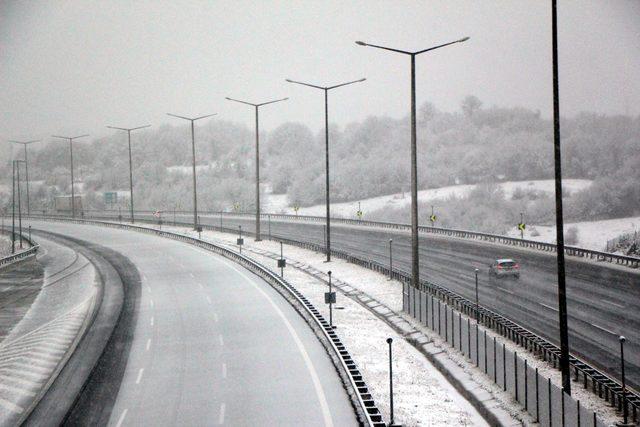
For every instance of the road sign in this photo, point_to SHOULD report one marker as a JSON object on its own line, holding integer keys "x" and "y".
{"x": 433, "y": 218}
{"x": 329, "y": 297}
{"x": 522, "y": 226}
{"x": 240, "y": 241}
{"x": 359, "y": 213}
{"x": 282, "y": 263}
{"x": 110, "y": 197}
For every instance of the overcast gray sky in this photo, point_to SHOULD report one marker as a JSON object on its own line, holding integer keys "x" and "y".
{"x": 72, "y": 67}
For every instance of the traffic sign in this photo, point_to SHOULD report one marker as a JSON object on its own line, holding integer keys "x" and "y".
{"x": 522, "y": 226}
{"x": 433, "y": 218}
{"x": 329, "y": 297}
{"x": 359, "y": 213}
{"x": 282, "y": 263}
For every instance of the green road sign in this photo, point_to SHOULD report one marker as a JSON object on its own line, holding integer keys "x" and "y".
{"x": 110, "y": 197}
{"x": 522, "y": 226}
{"x": 432, "y": 218}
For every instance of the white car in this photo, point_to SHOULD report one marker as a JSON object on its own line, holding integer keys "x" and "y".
{"x": 504, "y": 267}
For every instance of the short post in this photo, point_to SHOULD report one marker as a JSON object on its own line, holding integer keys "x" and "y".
{"x": 550, "y": 404}
{"x": 391, "y": 421}
{"x": 330, "y": 298}
{"x": 281, "y": 262}
{"x": 199, "y": 228}
{"x": 390, "y": 258}
{"x": 220, "y": 220}
{"x": 269, "y": 218}
{"x": 240, "y": 240}
{"x": 521, "y": 225}
{"x": 29, "y": 232}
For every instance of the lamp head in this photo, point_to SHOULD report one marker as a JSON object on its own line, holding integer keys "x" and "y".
{"x": 361, "y": 43}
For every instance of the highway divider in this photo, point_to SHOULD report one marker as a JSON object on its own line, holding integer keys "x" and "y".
{"x": 20, "y": 255}
{"x": 574, "y": 251}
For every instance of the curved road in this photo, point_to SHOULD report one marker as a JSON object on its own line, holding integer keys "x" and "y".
{"x": 603, "y": 299}
{"x": 214, "y": 344}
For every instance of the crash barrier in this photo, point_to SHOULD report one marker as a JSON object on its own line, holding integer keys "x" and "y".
{"x": 368, "y": 412}
{"x": 21, "y": 255}
{"x": 547, "y": 403}
{"x": 600, "y": 383}
{"x": 628, "y": 261}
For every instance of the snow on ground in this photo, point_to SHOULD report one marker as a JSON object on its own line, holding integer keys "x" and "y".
{"x": 591, "y": 234}
{"x": 5, "y": 246}
{"x": 421, "y": 392}
{"x": 349, "y": 209}
{"x": 422, "y": 396}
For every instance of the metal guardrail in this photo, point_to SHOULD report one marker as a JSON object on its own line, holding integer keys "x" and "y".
{"x": 22, "y": 255}
{"x": 629, "y": 261}
{"x": 370, "y": 414}
{"x": 601, "y": 384}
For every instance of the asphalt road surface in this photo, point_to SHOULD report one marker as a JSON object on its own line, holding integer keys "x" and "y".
{"x": 603, "y": 300}
{"x": 213, "y": 344}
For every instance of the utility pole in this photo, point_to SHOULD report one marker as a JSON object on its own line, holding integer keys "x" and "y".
{"x": 26, "y": 163}
{"x": 256, "y": 107}
{"x": 128, "y": 130}
{"x": 193, "y": 152}
{"x": 562, "y": 290}
{"x": 415, "y": 271}
{"x": 73, "y": 197}
{"x": 326, "y": 90}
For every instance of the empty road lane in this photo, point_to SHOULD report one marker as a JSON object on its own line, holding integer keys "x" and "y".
{"x": 213, "y": 344}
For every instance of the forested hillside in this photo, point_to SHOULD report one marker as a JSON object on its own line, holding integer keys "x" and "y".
{"x": 474, "y": 145}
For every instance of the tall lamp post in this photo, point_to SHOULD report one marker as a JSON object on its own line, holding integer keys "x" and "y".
{"x": 326, "y": 90}
{"x": 26, "y": 166}
{"x": 257, "y": 106}
{"x": 73, "y": 198}
{"x": 193, "y": 151}
{"x": 415, "y": 271}
{"x": 128, "y": 130}
{"x": 562, "y": 288}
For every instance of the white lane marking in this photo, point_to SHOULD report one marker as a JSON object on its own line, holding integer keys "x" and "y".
{"x": 208, "y": 299}
{"x": 221, "y": 340}
{"x": 148, "y": 344}
{"x": 324, "y": 406}
{"x": 221, "y": 417}
{"x": 548, "y": 306}
{"x": 140, "y": 372}
{"x": 151, "y": 321}
{"x": 505, "y": 290}
{"x": 192, "y": 276}
{"x": 224, "y": 370}
{"x": 151, "y": 303}
{"x": 121, "y": 419}
{"x": 612, "y": 303}
{"x": 603, "y": 329}
{"x": 215, "y": 317}
{"x": 200, "y": 285}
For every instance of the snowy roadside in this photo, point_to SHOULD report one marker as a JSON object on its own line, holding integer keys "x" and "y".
{"x": 422, "y": 395}
{"x": 389, "y": 293}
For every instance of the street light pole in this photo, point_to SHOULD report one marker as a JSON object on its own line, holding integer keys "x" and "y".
{"x": 13, "y": 207}
{"x": 415, "y": 270}
{"x": 26, "y": 170}
{"x": 562, "y": 290}
{"x": 193, "y": 152}
{"x": 625, "y": 408}
{"x": 128, "y": 130}
{"x": 73, "y": 198}
{"x": 257, "y": 106}
{"x": 326, "y": 90}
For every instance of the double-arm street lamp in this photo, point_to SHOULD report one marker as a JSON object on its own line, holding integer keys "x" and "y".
{"x": 415, "y": 271}
{"x": 326, "y": 90}
{"x": 256, "y": 106}
{"x": 73, "y": 198}
{"x": 16, "y": 180}
{"x": 26, "y": 166}
{"x": 193, "y": 151}
{"x": 128, "y": 130}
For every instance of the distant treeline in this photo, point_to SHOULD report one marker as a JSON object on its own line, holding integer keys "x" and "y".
{"x": 368, "y": 158}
